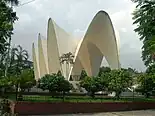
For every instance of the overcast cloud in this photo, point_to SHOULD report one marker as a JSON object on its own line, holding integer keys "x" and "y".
{"x": 75, "y": 16}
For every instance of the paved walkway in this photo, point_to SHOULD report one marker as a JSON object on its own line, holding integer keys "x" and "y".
{"x": 126, "y": 113}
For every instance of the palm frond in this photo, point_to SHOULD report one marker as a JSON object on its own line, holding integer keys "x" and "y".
{"x": 13, "y": 2}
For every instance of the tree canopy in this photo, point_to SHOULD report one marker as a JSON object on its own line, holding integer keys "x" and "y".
{"x": 103, "y": 70}
{"x": 26, "y": 79}
{"x": 144, "y": 18}
{"x": 7, "y": 18}
{"x": 146, "y": 84}
{"x": 92, "y": 85}
{"x": 54, "y": 83}
{"x": 83, "y": 74}
{"x": 118, "y": 81}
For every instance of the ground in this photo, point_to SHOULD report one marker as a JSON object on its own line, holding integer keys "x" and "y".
{"x": 126, "y": 113}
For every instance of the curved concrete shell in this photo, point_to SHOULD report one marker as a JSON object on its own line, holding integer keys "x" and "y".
{"x": 43, "y": 64}
{"x": 52, "y": 48}
{"x": 58, "y": 43}
{"x": 99, "y": 41}
{"x": 35, "y": 63}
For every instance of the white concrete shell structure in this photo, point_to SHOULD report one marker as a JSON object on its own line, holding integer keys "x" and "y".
{"x": 99, "y": 41}
{"x": 35, "y": 63}
{"x": 42, "y": 52}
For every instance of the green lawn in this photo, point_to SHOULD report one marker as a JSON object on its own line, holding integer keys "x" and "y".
{"x": 37, "y": 98}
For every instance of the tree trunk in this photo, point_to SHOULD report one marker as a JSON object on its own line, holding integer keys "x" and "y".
{"x": 63, "y": 93}
{"x": 92, "y": 94}
{"x": 3, "y": 91}
{"x": 16, "y": 92}
{"x": 118, "y": 95}
{"x": 147, "y": 95}
{"x": 28, "y": 89}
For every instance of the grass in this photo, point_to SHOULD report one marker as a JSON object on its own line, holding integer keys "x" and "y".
{"x": 75, "y": 99}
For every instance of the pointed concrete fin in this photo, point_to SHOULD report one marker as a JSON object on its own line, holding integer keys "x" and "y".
{"x": 99, "y": 41}
{"x": 35, "y": 63}
{"x": 52, "y": 49}
{"x": 42, "y": 62}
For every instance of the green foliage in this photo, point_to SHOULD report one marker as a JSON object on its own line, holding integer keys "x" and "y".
{"x": 59, "y": 73}
{"x": 151, "y": 69}
{"x": 54, "y": 83}
{"x": 143, "y": 17}
{"x": 106, "y": 76}
{"x": 26, "y": 80}
{"x": 92, "y": 84}
{"x": 19, "y": 56}
{"x": 83, "y": 74}
{"x": 44, "y": 82}
{"x": 7, "y": 18}
{"x": 80, "y": 98}
{"x": 18, "y": 62}
{"x": 5, "y": 107}
{"x": 48, "y": 82}
{"x": 63, "y": 85}
{"x": 5, "y": 85}
{"x": 146, "y": 84}
{"x": 103, "y": 70}
{"x": 5, "y": 82}
{"x": 119, "y": 80}
{"x": 111, "y": 80}
{"x": 67, "y": 58}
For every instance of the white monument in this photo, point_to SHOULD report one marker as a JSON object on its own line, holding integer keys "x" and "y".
{"x": 99, "y": 41}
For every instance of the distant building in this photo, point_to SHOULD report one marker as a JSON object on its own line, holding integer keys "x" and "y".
{"x": 99, "y": 41}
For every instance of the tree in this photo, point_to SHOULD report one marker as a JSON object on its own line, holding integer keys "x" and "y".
{"x": 18, "y": 63}
{"x": 83, "y": 74}
{"x": 151, "y": 69}
{"x": 27, "y": 80}
{"x": 132, "y": 71}
{"x": 13, "y": 2}
{"x": 119, "y": 80}
{"x": 105, "y": 77}
{"x": 2, "y": 63}
{"x": 19, "y": 59}
{"x": 103, "y": 70}
{"x": 6, "y": 27}
{"x": 92, "y": 85}
{"x": 146, "y": 84}
{"x": 143, "y": 17}
{"x": 24, "y": 81}
{"x": 7, "y": 18}
{"x": 63, "y": 86}
{"x": 48, "y": 82}
{"x": 55, "y": 83}
{"x": 59, "y": 73}
{"x": 5, "y": 85}
{"x": 68, "y": 60}
{"x": 5, "y": 109}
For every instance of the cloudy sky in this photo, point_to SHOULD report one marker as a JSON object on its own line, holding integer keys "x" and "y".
{"x": 75, "y": 16}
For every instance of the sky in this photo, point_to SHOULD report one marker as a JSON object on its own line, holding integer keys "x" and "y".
{"x": 75, "y": 16}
